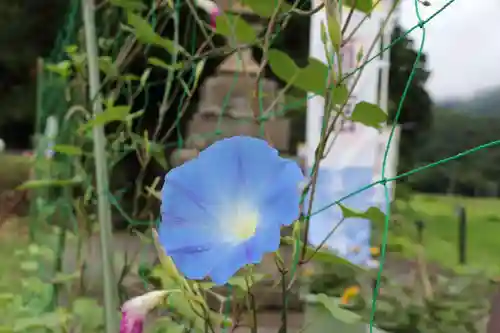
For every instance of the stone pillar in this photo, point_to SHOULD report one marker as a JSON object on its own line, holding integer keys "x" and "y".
{"x": 228, "y": 107}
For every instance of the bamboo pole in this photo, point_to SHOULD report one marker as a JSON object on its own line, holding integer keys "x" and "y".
{"x": 101, "y": 169}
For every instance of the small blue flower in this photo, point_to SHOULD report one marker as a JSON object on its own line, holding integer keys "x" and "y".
{"x": 225, "y": 208}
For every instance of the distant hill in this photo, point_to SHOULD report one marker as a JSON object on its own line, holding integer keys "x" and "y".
{"x": 485, "y": 104}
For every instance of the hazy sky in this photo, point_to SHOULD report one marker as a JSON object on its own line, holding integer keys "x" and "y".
{"x": 462, "y": 43}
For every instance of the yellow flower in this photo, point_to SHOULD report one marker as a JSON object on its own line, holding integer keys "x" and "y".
{"x": 375, "y": 251}
{"x": 349, "y": 293}
{"x": 307, "y": 271}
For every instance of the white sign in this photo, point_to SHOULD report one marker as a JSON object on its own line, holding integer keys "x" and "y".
{"x": 354, "y": 159}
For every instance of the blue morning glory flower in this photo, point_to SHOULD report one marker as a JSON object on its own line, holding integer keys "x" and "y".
{"x": 225, "y": 208}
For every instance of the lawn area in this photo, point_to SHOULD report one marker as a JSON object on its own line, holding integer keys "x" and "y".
{"x": 12, "y": 238}
{"x": 441, "y": 229}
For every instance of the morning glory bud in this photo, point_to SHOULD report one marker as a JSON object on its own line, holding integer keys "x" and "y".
{"x": 134, "y": 310}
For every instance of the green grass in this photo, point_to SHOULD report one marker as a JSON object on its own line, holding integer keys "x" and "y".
{"x": 440, "y": 235}
{"x": 13, "y": 237}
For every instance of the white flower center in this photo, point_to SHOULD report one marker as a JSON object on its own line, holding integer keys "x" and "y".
{"x": 245, "y": 226}
{"x": 240, "y": 223}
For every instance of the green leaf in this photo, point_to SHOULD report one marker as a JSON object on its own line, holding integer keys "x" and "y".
{"x": 32, "y": 184}
{"x": 130, "y": 77}
{"x": 324, "y": 40}
{"x": 359, "y": 54}
{"x": 241, "y": 281}
{"x": 364, "y": 6}
{"x": 134, "y": 115}
{"x": 206, "y": 285}
{"x": 89, "y": 314}
{"x": 29, "y": 266}
{"x": 282, "y": 65}
{"x": 160, "y": 63}
{"x": 71, "y": 49}
{"x": 340, "y": 94}
{"x": 144, "y": 77}
{"x": 113, "y": 113}
{"x": 335, "y": 32}
{"x": 186, "y": 304}
{"x": 369, "y": 115}
{"x": 373, "y": 214}
{"x": 133, "y": 5}
{"x": 323, "y": 35}
{"x": 233, "y": 26}
{"x": 157, "y": 152}
{"x": 34, "y": 249}
{"x": 311, "y": 78}
{"x": 51, "y": 320}
{"x": 265, "y": 8}
{"x": 332, "y": 304}
{"x": 167, "y": 325}
{"x": 107, "y": 66}
{"x": 63, "y": 68}
{"x": 63, "y": 277}
{"x": 67, "y": 149}
{"x": 323, "y": 256}
{"x": 167, "y": 263}
{"x": 145, "y": 33}
{"x": 198, "y": 70}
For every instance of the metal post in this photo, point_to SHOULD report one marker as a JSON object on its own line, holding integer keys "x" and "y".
{"x": 420, "y": 225}
{"x": 101, "y": 168}
{"x": 462, "y": 235}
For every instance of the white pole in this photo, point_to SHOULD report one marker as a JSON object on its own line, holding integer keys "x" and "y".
{"x": 101, "y": 169}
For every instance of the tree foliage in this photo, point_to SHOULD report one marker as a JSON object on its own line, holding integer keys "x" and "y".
{"x": 452, "y": 133}
{"x": 416, "y": 112}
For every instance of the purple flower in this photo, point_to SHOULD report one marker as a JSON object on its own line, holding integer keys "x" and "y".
{"x": 134, "y": 311}
{"x": 225, "y": 208}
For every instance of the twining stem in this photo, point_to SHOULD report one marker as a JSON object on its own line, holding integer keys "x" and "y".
{"x": 324, "y": 139}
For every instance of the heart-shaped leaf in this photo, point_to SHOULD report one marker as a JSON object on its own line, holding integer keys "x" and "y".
{"x": 311, "y": 78}
{"x": 145, "y": 34}
{"x": 233, "y": 26}
{"x": 369, "y": 114}
{"x": 333, "y": 305}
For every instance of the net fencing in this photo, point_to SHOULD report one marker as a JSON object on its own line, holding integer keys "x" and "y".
{"x": 59, "y": 97}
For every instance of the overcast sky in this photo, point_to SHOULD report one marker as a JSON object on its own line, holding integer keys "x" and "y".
{"x": 462, "y": 43}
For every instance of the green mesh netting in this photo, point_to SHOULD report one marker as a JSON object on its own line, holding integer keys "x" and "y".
{"x": 54, "y": 101}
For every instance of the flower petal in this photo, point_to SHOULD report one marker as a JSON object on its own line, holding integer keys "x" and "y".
{"x": 196, "y": 264}
{"x": 250, "y": 162}
{"x": 230, "y": 261}
{"x": 131, "y": 324}
{"x": 187, "y": 209}
{"x": 279, "y": 201}
{"x": 266, "y": 239}
{"x": 235, "y": 180}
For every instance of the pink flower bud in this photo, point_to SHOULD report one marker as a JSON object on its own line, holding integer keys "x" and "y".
{"x": 134, "y": 311}
{"x": 213, "y": 17}
{"x": 211, "y": 8}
